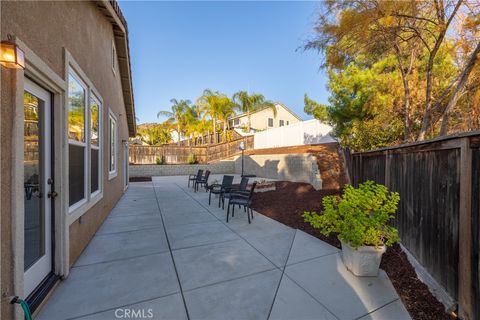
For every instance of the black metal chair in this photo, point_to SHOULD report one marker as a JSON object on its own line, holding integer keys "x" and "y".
{"x": 202, "y": 181}
{"x": 220, "y": 189}
{"x": 240, "y": 189}
{"x": 241, "y": 200}
{"x": 193, "y": 177}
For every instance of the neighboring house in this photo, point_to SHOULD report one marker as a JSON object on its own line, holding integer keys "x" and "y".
{"x": 265, "y": 119}
{"x": 65, "y": 121}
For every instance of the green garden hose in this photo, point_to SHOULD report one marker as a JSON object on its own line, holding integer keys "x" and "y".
{"x": 25, "y": 308}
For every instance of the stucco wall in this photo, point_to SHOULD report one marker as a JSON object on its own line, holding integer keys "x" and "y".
{"x": 259, "y": 120}
{"x": 147, "y": 170}
{"x": 46, "y": 28}
{"x": 301, "y": 167}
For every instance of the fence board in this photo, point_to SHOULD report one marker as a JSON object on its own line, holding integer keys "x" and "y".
{"x": 476, "y": 230}
{"x": 438, "y": 217}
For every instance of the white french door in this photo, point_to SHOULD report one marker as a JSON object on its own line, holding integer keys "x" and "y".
{"x": 37, "y": 185}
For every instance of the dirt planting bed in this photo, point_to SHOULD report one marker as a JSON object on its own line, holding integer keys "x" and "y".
{"x": 288, "y": 202}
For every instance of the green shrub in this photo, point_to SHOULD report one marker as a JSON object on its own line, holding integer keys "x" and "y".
{"x": 191, "y": 159}
{"x": 159, "y": 160}
{"x": 360, "y": 217}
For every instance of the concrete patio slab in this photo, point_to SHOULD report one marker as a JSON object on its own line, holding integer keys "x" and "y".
{"x": 292, "y": 302}
{"x": 249, "y": 297}
{"x": 104, "y": 286}
{"x": 115, "y": 224}
{"x": 169, "y": 307}
{"x": 275, "y": 247}
{"x": 394, "y": 310}
{"x": 115, "y": 246}
{"x": 306, "y": 247}
{"x": 219, "y": 270}
{"x": 189, "y": 235}
{"x": 330, "y": 283}
{"x": 209, "y": 264}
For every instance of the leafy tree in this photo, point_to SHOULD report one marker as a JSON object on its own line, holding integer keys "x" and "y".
{"x": 249, "y": 103}
{"x": 315, "y": 109}
{"x": 177, "y": 115}
{"x": 421, "y": 36}
{"x": 155, "y": 134}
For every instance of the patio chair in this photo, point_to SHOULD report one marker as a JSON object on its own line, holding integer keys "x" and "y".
{"x": 193, "y": 177}
{"x": 202, "y": 181}
{"x": 220, "y": 189}
{"x": 241, "y": 189}
{"x": 241, "y": 200}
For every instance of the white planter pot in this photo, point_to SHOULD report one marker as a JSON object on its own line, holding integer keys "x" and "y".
{"x": 362, "y": 261}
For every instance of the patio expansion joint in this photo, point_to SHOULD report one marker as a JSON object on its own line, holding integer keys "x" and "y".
{"x": 171, "y": 253}
{"x": 126, "y": 231}
{"x": 205, "y": 244}
{"x": 235, "y": 232}
{"x": 313, "y": 258}
{"x": 286, "y": 262}
{"x": 281, "y": 276}
{"x": 119, "y": 259}
{"x": 386, "y": 304}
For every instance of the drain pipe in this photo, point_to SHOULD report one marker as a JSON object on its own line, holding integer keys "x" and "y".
{"x": 25, "y": 308}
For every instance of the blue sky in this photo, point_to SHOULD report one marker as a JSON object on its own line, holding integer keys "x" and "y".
{"x": 180, "y": 48}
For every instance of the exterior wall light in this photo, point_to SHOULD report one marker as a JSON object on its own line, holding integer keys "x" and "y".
{"x": 11, "y": 56}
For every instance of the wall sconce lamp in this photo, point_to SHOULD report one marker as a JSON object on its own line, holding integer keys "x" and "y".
{"x": 11, "y": 56}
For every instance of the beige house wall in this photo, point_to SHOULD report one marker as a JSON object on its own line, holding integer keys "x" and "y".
{"x": 51, "y": 30}
{"x": 259, "y": 120}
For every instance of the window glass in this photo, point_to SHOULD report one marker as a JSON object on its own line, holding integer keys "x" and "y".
{"x": 94, "y": 172}
{"x": 281, "y": 123}
{"x": 113, "y": 144}
{"x": 94, "y": 121}
{"x": 76, "y": 173}
{"x": 270, "y": 122}
{"x": 76, "y": 110}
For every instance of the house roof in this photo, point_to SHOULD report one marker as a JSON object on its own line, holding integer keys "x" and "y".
{"x": 112, "y": 12}
{"x": 276, "y": 103}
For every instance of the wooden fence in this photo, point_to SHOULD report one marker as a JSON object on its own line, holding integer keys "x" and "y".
{"x": 438, "y": 216}
{"x": 178, "y": 154}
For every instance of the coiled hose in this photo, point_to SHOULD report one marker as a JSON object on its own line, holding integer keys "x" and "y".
{"x": 24, "y": 305}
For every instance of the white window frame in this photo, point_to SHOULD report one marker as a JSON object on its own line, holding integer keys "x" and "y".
{"x": 112, "y": 118}
{"x": 78, "y": 209}
{"x": 114, "y": 58}
{"x": 99, "y": 147}
{"x": 80, "y": 203}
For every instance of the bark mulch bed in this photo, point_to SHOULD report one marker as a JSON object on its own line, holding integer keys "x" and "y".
{"x": 288, "y": 202}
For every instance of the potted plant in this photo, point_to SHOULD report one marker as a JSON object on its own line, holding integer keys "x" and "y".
{"x": 360, "y": 219}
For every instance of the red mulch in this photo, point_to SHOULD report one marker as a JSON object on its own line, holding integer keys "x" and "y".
{"x": 288, "y": 202}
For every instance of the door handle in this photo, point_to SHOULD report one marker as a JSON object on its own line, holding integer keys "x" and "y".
{"x": 52, "y": 194}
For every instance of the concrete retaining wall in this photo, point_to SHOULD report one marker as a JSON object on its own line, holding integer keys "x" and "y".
{"x": 150, "y": 170}
{"x": 295, "y": 167}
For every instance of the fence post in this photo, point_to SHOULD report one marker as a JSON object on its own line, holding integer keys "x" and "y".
{"x": 465, "y": 292}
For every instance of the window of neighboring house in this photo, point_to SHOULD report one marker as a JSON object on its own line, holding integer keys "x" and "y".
{"x": 236, "y": 122}
{"x": 281, "y": 123}
{"x": 95, "y": 125}
{"x": 112, "y": 129}
{"x": 270, "y": 122}
{"x": 114, "y": 57}
{"x": 77, "y": 144}
{"x": 287, "y": 123}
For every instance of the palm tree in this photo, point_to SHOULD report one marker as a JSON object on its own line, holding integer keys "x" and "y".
{"x": 250, "y": 103}
{"x": 210, "y": 104}
{"x": 226, "y": 110}
{"x": 179, "y": 107}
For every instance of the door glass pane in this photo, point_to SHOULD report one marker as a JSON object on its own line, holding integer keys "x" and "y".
{"x": 34, "y": 214}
